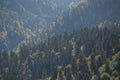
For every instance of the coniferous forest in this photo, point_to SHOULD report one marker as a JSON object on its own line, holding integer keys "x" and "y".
{"x": 78, "y": 40}
{"x": 86, "y": 54}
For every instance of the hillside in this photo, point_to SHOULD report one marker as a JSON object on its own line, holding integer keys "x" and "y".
{"x": 31, "y": 21}
{"x": 87, "y": 13}
{"x": 89, "y": 53}
{"x": 59, "y": 40}
{"x": 27, "y": 19}
{"x": 86, "y": 54}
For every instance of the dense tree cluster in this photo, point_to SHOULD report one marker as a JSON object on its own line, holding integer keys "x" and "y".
{"x": 81, "y": 44}
{"x": 85, "y": 54}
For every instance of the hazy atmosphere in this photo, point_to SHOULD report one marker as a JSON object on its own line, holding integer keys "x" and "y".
{"x": 59, "y": 39}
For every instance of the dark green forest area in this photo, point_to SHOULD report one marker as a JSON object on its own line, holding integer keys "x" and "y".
{"x": 85, "y": 54}
{"x": 59, "y": 39}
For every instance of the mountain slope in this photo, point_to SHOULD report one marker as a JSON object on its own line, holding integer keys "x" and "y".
{"x": 88, "y": 13}
{"x": 82, "y": 55}
{"x": 27, "y": 19}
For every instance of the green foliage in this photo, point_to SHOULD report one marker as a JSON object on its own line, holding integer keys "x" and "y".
{"x": 105, "y": 76}
{"x": 85, "y": 54}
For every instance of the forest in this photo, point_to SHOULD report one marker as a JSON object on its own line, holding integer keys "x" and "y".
{"x": 59, "y": 40}
{"x": 85, "y": 54}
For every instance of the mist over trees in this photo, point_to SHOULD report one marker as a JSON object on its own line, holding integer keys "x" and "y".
{"x": 60, "y": 40}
